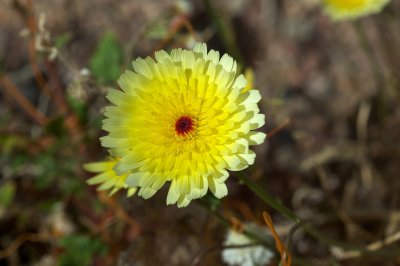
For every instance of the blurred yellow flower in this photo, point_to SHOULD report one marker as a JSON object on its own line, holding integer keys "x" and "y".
{"x": 107, "y": 177}
{"x": 183, "y": 118}
{"x": 249, "y": 75}
{"x": 352, "y": 9}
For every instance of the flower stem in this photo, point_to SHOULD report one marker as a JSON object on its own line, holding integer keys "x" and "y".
{"x": 274, "y": 203}
{"x": 204, "y": 204}
{"x": 374, "y": 65}
{"x": 305, "y": 225}
{"x": 224, "y": 30}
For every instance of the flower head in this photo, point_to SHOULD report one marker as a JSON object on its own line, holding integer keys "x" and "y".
{"x": 246, "y": 256}
{"x": 107, "y": 177}
{"x": 182, "y": 118}
{"x": 352, "y": 9}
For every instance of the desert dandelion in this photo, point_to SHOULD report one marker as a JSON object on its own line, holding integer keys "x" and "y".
{"x": 352, "y": 9}
{"x": 182, "y": 119}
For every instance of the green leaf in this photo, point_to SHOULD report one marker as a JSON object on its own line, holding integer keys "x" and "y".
{"x": 7, "y": 193}
{"x": 79, "y": 250}
{"x": 106, "y": 61}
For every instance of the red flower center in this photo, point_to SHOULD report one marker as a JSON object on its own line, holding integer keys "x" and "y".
{"x": 184, "y": 125}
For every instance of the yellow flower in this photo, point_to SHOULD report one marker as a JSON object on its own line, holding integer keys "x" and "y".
{"x": 182, "y": 118}
{"x": 352, "y": 9}
{"x": 249, "y": 75}
{"x": 107, "y": 177}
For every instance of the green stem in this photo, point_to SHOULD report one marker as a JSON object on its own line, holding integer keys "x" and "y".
{"x": 274, "y": 203}
{"x": 305, "y": 225}
{"x": 204, "y": 204}
{"x": 226, "y": 223}
{"x": 374, "y": 65}
{"x": 225, "y": 31}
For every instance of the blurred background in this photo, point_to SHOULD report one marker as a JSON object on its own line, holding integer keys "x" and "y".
{"x": 331, "y": 97}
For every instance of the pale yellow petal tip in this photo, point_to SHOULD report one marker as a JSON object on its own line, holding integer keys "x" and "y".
{"x": 340, "y": 10}
{"x": 221, "y": 191}
{"x": 183, "y": 203}
{"x": 256, "y": 138}
{"x": 200, "y": 47}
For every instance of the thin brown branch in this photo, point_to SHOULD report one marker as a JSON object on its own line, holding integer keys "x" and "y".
{"x": 57, "y": 92}
{"x": 14, "y": 246}
{"x": 277, "y": 129}
{"x": 26, "y": 105}
{"x": 120, "y": 212}
{"x": 32, "y": 25}
{"x": 57, "y": 86}
{"x": 177, "y": 24}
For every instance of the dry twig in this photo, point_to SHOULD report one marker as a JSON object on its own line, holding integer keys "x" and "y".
{"x": 11, "y": 249}
{"x": 26, "y": 105}
{"x": 277, "y": 129}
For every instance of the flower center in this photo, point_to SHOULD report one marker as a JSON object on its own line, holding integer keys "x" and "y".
{"x": 184, "y": 125}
